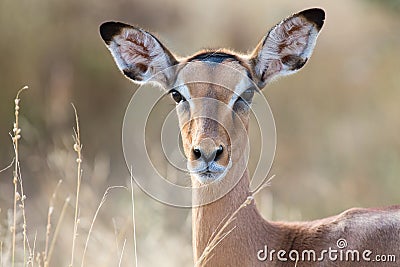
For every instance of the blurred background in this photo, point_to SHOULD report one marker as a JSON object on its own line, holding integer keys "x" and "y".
{"x": 338, "y": 122}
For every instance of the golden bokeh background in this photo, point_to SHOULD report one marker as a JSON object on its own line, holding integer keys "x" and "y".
{"x": 338, "y": 123}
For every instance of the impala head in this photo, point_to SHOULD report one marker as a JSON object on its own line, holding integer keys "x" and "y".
{"x": 214, "y": 115}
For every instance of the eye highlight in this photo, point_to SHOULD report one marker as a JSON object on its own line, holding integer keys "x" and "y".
{"x": 176, "y": 96}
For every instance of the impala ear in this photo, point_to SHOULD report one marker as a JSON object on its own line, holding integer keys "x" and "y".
{"x": 137, "y": 53}
{"x": 288, "y": 46}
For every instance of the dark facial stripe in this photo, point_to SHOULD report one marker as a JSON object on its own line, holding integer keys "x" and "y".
{"x": 215, "y": 57}
{"x": 219, "y": 57}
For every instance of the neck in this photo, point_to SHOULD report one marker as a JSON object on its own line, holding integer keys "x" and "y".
{"x": 206, "y": 220}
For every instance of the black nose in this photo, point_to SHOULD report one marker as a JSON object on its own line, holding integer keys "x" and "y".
{"x": 196, "y": 153}
{"x": 207, "y": 154}
{"x": 220, "y": 149}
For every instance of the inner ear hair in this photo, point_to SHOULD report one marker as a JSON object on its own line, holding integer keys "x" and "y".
{"x": 138, "y": 54}
{"x": 294, "y": 62}
{"x": 287, "y": 46}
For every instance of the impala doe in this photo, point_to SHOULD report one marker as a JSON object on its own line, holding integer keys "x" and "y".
{"x": 215, "y": 157}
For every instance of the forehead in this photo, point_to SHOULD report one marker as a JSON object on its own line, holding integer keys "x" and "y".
{"x": 214, "y": 74}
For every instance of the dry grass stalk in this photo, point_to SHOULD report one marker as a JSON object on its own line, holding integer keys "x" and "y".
{"x": 15, "y": 136}
{"x": 57, "y": 230}
{"x": 120, "y": 234}
{"x": 265, "y": 183}
{"x": 24, "y": 224}
{"x": 48, "y": 225}
{"x": 221, "y": 234}
{"x": 103, "y": 200}
{"x": 43, "y": 259}
{"x": 9, "y": 166}
{"x": 31, "y": 259}
{"x": 1, "y": 253}
{"x": 38, "y": 259}
{"x": 115, "y": 234}
{"x": 78, "y": 150}
{"x": 122, "y": 253}
{"x": 133, "y": 219}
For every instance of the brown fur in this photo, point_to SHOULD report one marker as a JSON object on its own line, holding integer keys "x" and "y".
{"x": 211, "y": 117}
{"x": 374, "y": 229}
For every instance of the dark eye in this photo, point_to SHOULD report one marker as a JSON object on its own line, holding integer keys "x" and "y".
{"x": 176, "y": 96}
{"x": 247, "y": 96}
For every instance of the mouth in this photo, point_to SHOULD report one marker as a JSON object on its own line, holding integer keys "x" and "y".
{"x": 208, "y": 176}
{"x": 209, "y": 173}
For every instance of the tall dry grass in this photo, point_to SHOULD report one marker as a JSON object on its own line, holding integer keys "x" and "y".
{"x": 16, "y": 246}
{"x": 337, "y": 120}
